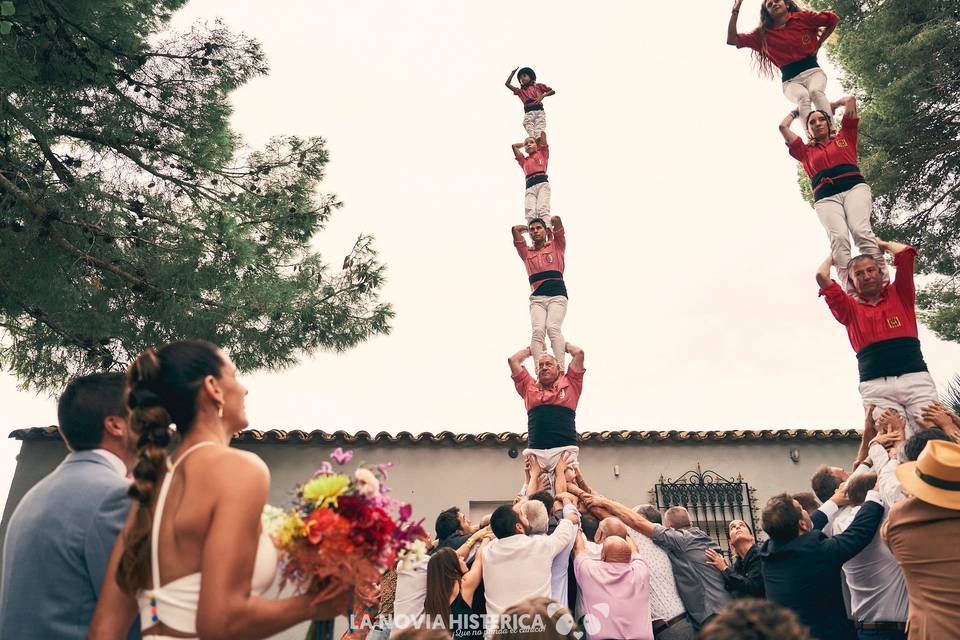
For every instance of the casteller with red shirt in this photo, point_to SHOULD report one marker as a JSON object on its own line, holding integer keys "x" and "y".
{"x": 551, "y": 403}
{"x": 881, "y": 323}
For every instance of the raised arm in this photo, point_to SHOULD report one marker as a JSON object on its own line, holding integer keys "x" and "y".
{"x": 890, "y": 246}
{"x": 535, "y": 472}
{"x": 825, "y": 33}
{"x": 849, "y": 104}
{"x": 823, "y": 273}
{"x": 629, "y": 517}
{"x": 788, "y": 135}
{"x": 516, "y": 360}
{"x": 577, "y": 362}
{"x": 509, "y": 83}
{"x": 542, "y": 140}
{"x": 515, "y": 148}
{"x": 471, "y": 579}
{"x": 732, "y": 38}
{"x": 517, "y": 232}
{"x": 464, "y": 550}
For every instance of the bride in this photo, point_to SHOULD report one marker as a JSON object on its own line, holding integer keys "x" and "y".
{"x": 196, "y": 513}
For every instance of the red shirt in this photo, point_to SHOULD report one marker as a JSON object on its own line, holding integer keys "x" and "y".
{"x": 565, "y": 392}
{"x": 537, "y": 163}
{"x": 842, "y": 149}
{"x": 549, "y": 257}
{"x": 894, "y": 316}
{"x": 795, "y": 40}
{"x": 531, "y": 94}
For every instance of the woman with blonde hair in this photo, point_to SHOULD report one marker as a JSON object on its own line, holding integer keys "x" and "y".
{"x": 196, "y": 513}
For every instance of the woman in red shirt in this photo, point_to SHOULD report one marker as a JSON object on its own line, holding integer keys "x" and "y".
{"x": 789, "y": 38}
{"x": 842, "y": 198}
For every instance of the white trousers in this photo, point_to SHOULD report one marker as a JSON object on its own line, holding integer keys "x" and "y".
{"x": 908, "y": 394}
{"x": 847, "y": 214}
{"x": 546, "y": 319}
{"x": 806, "y": 88}
{"x": 536, "y": 203}
{"x": 535, "y": 122}
{"x": 548, "y": 459}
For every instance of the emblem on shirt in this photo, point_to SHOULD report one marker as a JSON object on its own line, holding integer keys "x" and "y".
{"x": 893, "y": 323}
{"x": 549, "y": 258}
{"x": 806, "y": 38}
{"x": 563, "y": 394}
{"x": 841, "y": 142}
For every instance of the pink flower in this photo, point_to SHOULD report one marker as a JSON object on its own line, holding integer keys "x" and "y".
{"x": 325, "y": 469}
{"x": 382, "y": 468}
{"x": 406, "y": 511}
{"x": 340, "y": 456}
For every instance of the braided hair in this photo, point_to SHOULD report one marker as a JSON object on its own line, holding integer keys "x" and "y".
{"x": 163, "y": 385}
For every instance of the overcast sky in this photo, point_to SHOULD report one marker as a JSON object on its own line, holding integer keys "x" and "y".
{"x": 690, "y": 254}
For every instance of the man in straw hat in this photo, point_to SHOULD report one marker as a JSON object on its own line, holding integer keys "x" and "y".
{"x": 922, "y": 532}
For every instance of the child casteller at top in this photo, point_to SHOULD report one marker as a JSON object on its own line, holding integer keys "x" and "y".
{"x": 789, "y": 38}
{"x": 531, "y": 93}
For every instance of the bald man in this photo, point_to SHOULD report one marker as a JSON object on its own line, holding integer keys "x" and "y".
{"x": 615, "y": 588}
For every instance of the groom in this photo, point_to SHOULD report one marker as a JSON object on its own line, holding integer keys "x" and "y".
{"x": 60, "y": 536}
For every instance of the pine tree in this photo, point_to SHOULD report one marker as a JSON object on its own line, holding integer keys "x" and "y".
{"x": 131, "y": 214}
{"x": 903, "y": 61}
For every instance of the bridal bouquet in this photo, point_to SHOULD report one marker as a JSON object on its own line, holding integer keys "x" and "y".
{"x": 344, "y": 525}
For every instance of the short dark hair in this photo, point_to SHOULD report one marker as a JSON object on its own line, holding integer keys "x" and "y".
{"x": 589, "y": 523}
{"x": 824, "y": 483}
{"x": 859, "y": 485}
{"x": 504, "y": 521}
{"x": 538, "y": 221}
{"x": 753, "y": 619}
{"x": 649, "y": 512}
{"x": 807, "y": 500}
{"x": 545, "y": 498}
{"x": 447, "y": 523}
{"x": 781, "y": 518}
{"x": 86, "y": 403}
{"x": 527, "y": 71}
{"x": 914, "y": 445}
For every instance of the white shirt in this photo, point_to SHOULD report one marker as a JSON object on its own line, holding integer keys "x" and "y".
{"x": 665, "y": 603}
{"x": 886, "y": 468}
{"x": 115, "y": 462}
{"x": 520, "y": 567}
{"x": 558, "y": 572}
{"x": 410, "y": 593}
{"x": 877, "y": 590}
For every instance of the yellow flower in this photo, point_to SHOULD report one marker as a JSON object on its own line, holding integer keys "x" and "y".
{"x": 292, "y": 527}
{"x": 325, "y": 489}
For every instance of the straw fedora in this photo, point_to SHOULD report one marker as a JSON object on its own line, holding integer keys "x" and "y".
{"x": 935, "y": 476}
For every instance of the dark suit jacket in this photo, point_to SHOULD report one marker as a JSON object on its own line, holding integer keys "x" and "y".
{"x": 745, "y": 578}
{"x": 804, "y": 573}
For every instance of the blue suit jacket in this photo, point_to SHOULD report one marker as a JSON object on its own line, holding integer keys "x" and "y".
{"x": 57, "y": 547}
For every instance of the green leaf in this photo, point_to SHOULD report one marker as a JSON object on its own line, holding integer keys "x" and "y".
{"x": 7, "y": 8}
{"x": 5, "y": 27}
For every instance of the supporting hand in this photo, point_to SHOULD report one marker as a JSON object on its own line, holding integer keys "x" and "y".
{"x": 716, "y": 559}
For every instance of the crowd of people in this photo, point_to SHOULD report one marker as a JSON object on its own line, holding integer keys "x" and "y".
{"x": 148, "y": 531}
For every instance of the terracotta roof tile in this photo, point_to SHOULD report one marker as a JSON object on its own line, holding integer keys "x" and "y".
{"x": 489, "y": 438}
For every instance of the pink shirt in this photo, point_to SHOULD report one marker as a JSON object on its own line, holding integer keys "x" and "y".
{"x": 537, "y": 163}
{"x": 532, "y": 94}
{"x": 549, "y": 257}
{"x": 565, "y": 392}
{"x": 624, "y": 587}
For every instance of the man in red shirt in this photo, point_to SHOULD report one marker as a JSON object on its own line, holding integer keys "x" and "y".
{"x": 548, "y": 300}
{"x": 881, "y": 323}
{"x": 551, "y": 402}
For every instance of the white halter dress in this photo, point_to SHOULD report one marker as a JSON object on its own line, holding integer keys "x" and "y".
{"x": 175, "y": 603}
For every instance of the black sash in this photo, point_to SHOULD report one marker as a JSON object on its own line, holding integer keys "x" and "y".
{"x": 793, "y": 69}
{"x": 893, "y": 357}
{"x": 550, "y": 425}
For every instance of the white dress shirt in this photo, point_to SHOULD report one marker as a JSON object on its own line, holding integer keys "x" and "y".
{"x": 665, "y": 603}
{"x": 886, "y": 468}
{"x": 410, "y": 593}
{"x": 115, "y": 462}
{"x": 520, "y": 567}
{"x": 877, "y": 590}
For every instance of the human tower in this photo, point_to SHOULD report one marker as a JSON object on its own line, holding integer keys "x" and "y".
{"x": 879, "y": 313}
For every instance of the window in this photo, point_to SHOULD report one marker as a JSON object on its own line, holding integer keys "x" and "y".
{"x": 712, "y": 500}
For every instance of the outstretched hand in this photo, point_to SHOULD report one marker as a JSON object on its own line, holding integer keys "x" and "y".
{"x": 716, "y": 559}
